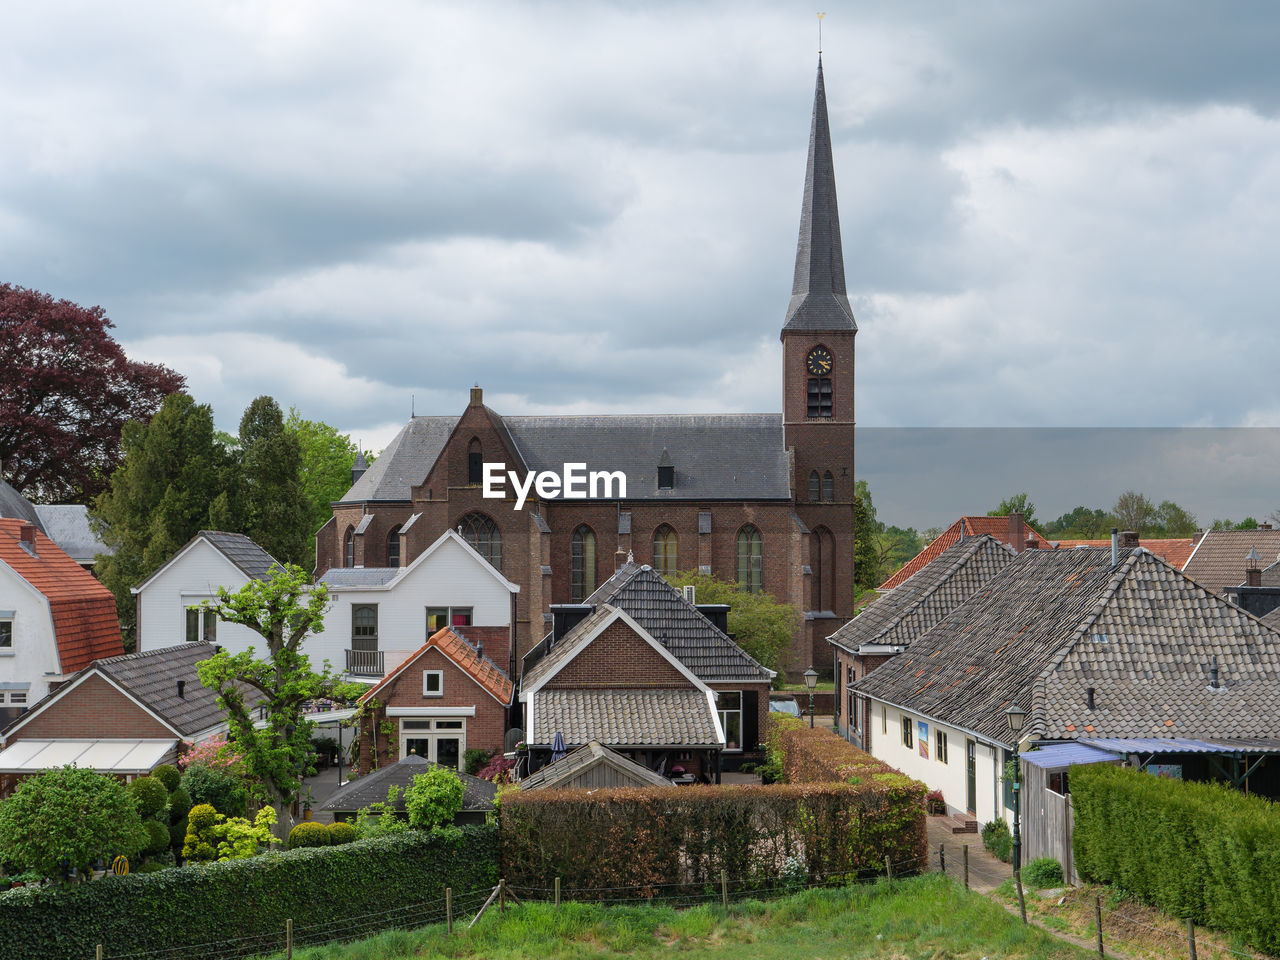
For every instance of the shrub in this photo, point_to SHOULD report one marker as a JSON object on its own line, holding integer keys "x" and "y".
{"x": 152, "y": 866}
{"x": 475, "y": 758}
{"x": 996, "y": 838}
{"x": 434, "y": 798}
{"x": 309, "y": 834}
{"x": 179, "y": 805}
{"x": 194, "y": 911}
{"x": 199, "y": 842}
{"x": 1042, "y": 872}
{"x": 224, "y": 792}
{"x": 149, "y": 795}
{"x": 498, "y": 770}
{"x": 215, "y": 753}
{"x": 68, "y": 815}
{"x": 1196, "y": 850}
{"x": 157, "y": 837}
{"x": 340, "y": 832}
{"x": 169, "y": 775}
{"x": 935, "y": 802}
{"x": 178, "y": 834}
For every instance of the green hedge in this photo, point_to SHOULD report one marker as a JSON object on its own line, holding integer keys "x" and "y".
{"x": 1196, "y": 850}
{"x": 206, "y": 904}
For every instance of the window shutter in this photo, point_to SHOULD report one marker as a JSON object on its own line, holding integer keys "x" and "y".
{"x": 750, "y": 720}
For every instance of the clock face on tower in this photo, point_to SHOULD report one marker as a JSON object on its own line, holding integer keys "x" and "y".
{"x": 819, "y": 362}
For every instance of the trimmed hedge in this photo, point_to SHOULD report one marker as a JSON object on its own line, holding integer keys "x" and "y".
{"x": 341, "y": 832}
{"x": 197, "y": 905}
{"x": 656, "y": 837}
{"x": 1197, "y": 850}
{"x": 309, "y": 834}
{"x": 813, "y": 755}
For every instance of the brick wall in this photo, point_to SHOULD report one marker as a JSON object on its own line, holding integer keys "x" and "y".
{"x": 95, "y": 709}
{"x": 619, "y": 657}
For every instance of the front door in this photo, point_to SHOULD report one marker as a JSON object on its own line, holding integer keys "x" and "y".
{"x": 441, "y": 741}
{"x": 971, "y": 775}
{"x": 448, "y": 752}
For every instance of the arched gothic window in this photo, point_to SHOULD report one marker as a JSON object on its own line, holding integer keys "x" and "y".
{"x": 582, "y": 564}
{"x": 483, "y": 534}
{"x": 750, "y": 559}
{"x": 393, "y": 546}
{"x": 349, "y": 548}
{"x": 475, "y": 462}
{"x": 665, "y": 544}
{"x": 815, "y": 486}
{"x": 828, "y": 487}
{"x": 823, "y": 557}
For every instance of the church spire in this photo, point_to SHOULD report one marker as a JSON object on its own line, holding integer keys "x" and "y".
{"x": 818, "y": 298}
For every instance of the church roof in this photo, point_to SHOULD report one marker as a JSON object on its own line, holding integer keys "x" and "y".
{"x": 819, "y": 301}
{"x": 739, "y": 456}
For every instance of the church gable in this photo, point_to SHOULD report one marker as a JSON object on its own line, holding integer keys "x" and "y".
{"x": 480, "y": 436}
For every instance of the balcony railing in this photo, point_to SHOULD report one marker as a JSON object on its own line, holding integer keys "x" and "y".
{"x": 365, "y": 663}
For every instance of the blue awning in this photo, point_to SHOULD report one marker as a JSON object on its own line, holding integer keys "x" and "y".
{"x": 1054, "y": 756}
{"x": 1160, "y": 745}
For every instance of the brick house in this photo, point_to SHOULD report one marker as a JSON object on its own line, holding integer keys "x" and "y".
{"x": 55, "y": 618}
{"x": 449, "y": 696}
{"x": 762, "y": 499}
{"x": 123, "y": 715}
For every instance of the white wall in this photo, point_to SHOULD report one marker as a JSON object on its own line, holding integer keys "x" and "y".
{"x": 949, "y": 777}
{"x": 34, "y": 656}
{"x": 192, "y": 577}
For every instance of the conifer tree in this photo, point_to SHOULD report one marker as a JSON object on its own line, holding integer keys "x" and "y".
{"x": 276, "y": 516}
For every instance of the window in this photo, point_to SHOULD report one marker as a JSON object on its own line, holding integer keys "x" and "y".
{"x": 666, "y": 478}
{"x": 201, "y": 625}
{"x": 750, "y": 560}
{"x": 906, "y": 731}
{"x": 940, "y": 746}
{"x": 828, "y": 487}
{"x": 819, "y": 396}
{"x": 835, "y": 700}
{"x": 441, "y": 741}
{"x": 393, "y": 546}
{"x": 475, "y": 462}
{"x": 884, "y": 720}
{"x": 665, "y": 545}
{"x": 6, "y": 633}
{"x": 433, "y": 683}
{"x": 823, "y": 564}
{"x": 349, "y": 548}
{"x": 440, "y": 617}
{"x": 729, "y": 706}
{"x": 13, "y": 698}
{"x": 364, "y": 626}
{"x": 582, "y": 564}
{"x": 483, "y": 534}
{"x": 815, "y": 486}
{"x": 1058, "y": 783}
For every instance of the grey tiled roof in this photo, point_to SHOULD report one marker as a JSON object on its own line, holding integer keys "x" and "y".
{"x": 721, "y": 456}
{"x": 372, "y": 787}
{"x": 584, "y": 758}
{"x": 355, "y": 577}
{"x": 1218, "y": 560}
{"x": 405, "y": 462}
{"x": 927, "y": 596}
{"x": 624, "y": 718}
{"x": 664, "y": 612}
{"x": 1055, "y": 622}
{"x": 818, "y": 297}
{"x": 14, "y": 506}
{"x": 254, "y": 562}
{"x": 67, "y": 525}
{"x": 152, "y": 678}
{"x": 1272, "y": 619}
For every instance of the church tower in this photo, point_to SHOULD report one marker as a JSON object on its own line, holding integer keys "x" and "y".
{"x": 817, "y": 356}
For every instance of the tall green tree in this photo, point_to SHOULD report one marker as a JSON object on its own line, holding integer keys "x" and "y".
{"x": 1082, "y": 523}
{"x": 1172, "y": 520}
{"x": 276, "y": 516}
{"x": 866, "y": 539}
{"x": 327, "y": 459}
{"x": 1018, "y": 503}
{"x": 760, "y": 624}
{"x": 171, "y": 482}
{"x": 1133, "y": 511}
{"x": 283, "y": 611}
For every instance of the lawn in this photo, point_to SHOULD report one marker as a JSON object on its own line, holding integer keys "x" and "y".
{"x": 923, "y": 917}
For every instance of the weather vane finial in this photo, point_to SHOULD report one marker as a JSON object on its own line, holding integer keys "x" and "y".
{"x": 820, "y": 16}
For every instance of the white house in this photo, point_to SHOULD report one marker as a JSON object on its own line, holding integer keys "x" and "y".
{"x": 380, "y": 615}
{"x": 169, "y": 601}
{"x": 55, "y": 618}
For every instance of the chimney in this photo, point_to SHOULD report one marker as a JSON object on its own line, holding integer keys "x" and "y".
{"x": 1033, "y": 543}
{"x": 1128, "y": 539}
{"x": 1252, "y": 572}
{"x": 1253, "y": 577}
{"x": 1115, "y": 545}
{"x": 619, "y": 558}
{"x": 182, "y": 689}
{"x": 718, "y": 614}
{"x": 1017, "y": 535}
{"x": 27, "y": 537}
{"x": 1264, "y": 526}
{"x": 477, "y": 396}
{"x": 480, "y": 647}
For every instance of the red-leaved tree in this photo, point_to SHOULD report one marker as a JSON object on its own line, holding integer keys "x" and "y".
{"x": 66, "y": 392}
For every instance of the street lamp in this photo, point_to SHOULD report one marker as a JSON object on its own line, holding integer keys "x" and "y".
{"x": 811, "y": 681}
{"x": 1016, "y": 715}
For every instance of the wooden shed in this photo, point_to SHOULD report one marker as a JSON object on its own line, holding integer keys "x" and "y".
{"x": 590, "y": 767}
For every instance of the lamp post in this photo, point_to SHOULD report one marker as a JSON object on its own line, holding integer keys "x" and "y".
{"x": 811, "y": 681}
{"x": 1015, "y": 715}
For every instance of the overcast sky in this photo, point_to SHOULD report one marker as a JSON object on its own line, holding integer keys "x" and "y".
{"x": 1053, "y": 213}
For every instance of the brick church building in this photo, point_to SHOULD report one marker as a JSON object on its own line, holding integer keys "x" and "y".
{"x": 762, "y": 499}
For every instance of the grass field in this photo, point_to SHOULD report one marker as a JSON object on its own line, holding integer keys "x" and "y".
{"x": 924, "y": 917}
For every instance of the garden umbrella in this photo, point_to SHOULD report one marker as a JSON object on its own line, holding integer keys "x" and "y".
{"x": 558, "y": 749}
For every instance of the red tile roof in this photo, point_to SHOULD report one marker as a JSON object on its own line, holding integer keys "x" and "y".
{"x": 85, "y": 626}
{"x": 1173, "y": 551}
{"x": 488, "y": 675}
{"x": 997, "y": 527}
